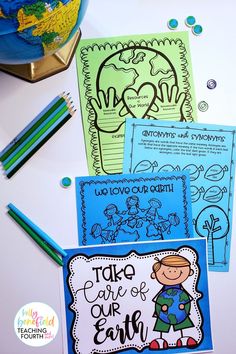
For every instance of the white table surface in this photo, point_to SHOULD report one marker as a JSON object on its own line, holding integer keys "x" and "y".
{"x": 26, "y": 273}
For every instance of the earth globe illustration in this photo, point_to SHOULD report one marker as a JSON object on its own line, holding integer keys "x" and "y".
{"x": 31, "y": 30}
{"x": 129, "y": 66}
{"x": 173, "y": 298}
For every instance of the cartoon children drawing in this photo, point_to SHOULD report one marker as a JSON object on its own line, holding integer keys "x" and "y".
{"x": 165, "y": 225}
{"x": 134, "y": 221}
{"x": 107, "y": 236}
{"x": 112, "y": 215}
{"x": 150, "y": 216}
{"x": 132, "y": 204}
{"x": 152, "y": 212}
{"x": 172, "y": 302}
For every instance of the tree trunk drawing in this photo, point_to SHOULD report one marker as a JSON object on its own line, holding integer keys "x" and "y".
{"x": 210, "y": 227}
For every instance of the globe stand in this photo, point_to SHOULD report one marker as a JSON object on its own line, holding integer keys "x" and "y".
{"x": 47, "y": 66}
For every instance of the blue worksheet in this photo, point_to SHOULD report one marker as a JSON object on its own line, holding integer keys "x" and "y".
{"x": 138, "y": 297}
{"x": 208, "y": 153}
{"x": 129, "y": 208}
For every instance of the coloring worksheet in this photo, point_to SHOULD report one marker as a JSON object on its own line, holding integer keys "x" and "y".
{"x": 146, "y": 76}
{"x": 138, "y": 297}
{"x": 131, "y": 208}
{"x": 208, "y": 153}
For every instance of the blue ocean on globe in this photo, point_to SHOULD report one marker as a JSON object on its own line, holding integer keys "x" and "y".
{"x": 173, "y": 297}
{"x": 33, "y": 29}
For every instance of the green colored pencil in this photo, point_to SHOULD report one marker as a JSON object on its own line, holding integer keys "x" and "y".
{"x": 31, "y": 153}
{"x": 36, "y": 238}
{"x": 32, "y": 129}
{"x": 35, "y": 138}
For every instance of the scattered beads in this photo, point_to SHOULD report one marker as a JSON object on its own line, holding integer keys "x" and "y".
{"x": 203, "y": 106}
{"x": 172, "y": 24}
{"x": 190, "y": 21}
{"x": 197, "y": 30}
{"x": 211, "y": 84}
{"x": 66, "y": 182}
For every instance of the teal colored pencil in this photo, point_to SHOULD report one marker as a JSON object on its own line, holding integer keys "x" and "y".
{"x": 35, "y": 138}
{"x": 27, "y": 133}
{"x": 34, "y": 133}
{"x": 21, "y": 162}
{"x": 36, "y": 238}
{"x": 46, "y": 238}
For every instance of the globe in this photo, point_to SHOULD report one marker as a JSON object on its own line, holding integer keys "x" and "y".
{"x": 33, "y": 29}
{"x": 173, "y": 297}
{"x": 120, "y": 67}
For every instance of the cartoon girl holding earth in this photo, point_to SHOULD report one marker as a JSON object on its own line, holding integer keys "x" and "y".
{"x": 172, "y": 302}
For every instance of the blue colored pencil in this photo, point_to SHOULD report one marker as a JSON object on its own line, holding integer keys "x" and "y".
{"x": 33, "y": 147}
{"x": 37, "y": 230}
{"x": 38, "y": 146}
{"x": 31, "y": 126}
{"x": 34, "y": 133}
{"x": 36, "y": 238}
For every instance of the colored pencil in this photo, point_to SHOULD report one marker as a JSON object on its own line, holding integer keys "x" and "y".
{"x": 34, "y": 138}
{"x": 38, "y": 144}
{"x": 36, "y": 229}
{"x": 28, "y": 130}
{"x": 36, "y": 238}
{"x": 36, "y": 131}
{"x": 16, "y": 139}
